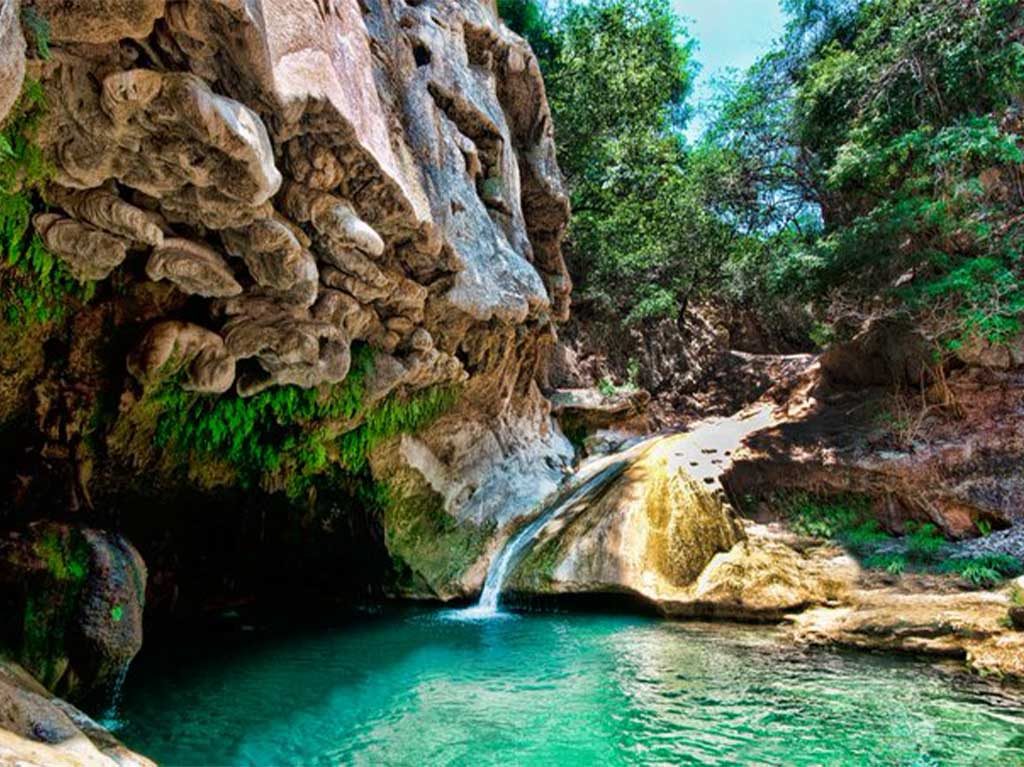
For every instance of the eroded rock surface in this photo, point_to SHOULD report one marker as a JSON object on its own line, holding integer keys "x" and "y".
{"x": 392, "y": 156}
{"x": 262, "y": 189}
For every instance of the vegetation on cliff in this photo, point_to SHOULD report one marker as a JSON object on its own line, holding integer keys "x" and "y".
{"x": 869, "y": 165}
{"x": 34, "y": 285}
{"x": 286, "y": 437}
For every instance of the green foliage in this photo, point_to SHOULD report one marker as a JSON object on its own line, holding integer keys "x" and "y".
{"x": 829, "y": 517}
{"x": 984, "y": 571}
{"x": 924, "y": 543}
{"x": 65, "y": 560}
{"x": 424, "y": 538}
{"x": 291, "y": 434}
{"x": 893, "y": 119}
{"x": 607, "y": 387}
{"x": 633, "y": 374}
{"x": 22, "y": 163}
{"x": 37, "y": 29}
{"x": 34, "y": 285}
{"x": 642, "y": 240}
{"x": 528, "y": 18}
{"x": 1016, "y": 595}
{"x": 894, "y": 564}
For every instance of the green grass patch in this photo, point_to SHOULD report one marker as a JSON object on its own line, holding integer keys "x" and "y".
{"x": 892, "y": 563}
{"x": 845, "y": 518}
{"x": 848, "y": 521}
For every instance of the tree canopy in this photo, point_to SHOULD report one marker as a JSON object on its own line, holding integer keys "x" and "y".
{"x": 870, "y": 163}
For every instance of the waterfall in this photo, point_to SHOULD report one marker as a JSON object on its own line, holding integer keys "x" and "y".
{"x": 109, "y": 718}
{"x": 523, "y": 540}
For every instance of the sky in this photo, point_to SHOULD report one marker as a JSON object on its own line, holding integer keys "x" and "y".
{"x": 731, "y": 34}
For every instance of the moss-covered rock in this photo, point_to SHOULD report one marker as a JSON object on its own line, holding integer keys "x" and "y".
{"x": 432, "y": 550}
{"x": 72, "y": 600}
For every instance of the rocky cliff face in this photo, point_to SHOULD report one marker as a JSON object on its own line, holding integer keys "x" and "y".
{"x": 305, "y": 249}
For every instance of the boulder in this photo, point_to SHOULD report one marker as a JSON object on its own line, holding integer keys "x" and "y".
{"x": 981, "y": 352}
{"x": 651, "y": 531}
{"x": 588, "y": 410}
{"x": 75, "y": 597}
{"x": 38, "y": 730}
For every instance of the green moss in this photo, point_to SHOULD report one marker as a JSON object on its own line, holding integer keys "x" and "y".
{"x": 38, "y": 31}
{"x": 35, "y": 287}
{"x": 52, "y": 598}
{"x": 924, "y": 543}
{"x": 429, "y": 542}
{"x": 536, "y": 572}
{"x": 286, "y": 437}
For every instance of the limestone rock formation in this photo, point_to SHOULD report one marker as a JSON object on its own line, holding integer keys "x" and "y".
{"x": 260, "y": 191}
{"x": 651, "y": 532}
{"x": 419, "y": 181}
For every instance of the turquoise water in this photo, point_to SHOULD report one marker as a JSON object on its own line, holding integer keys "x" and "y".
{"x": 414, "y": 687}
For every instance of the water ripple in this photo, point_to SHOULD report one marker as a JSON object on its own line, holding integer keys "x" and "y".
{"x": 432, "y": 688}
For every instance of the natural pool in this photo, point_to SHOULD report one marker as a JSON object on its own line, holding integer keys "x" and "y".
{"x": 417, "y": 687}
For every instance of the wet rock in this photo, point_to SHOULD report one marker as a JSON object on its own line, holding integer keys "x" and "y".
{"x": 908, "y": 619}
{"x": 38, "y": 730}
{"x": 76, "y": 598}
{"x": 651, "y": 531}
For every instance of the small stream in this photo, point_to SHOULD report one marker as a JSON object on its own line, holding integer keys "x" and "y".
{"x": 411, "y": 687}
